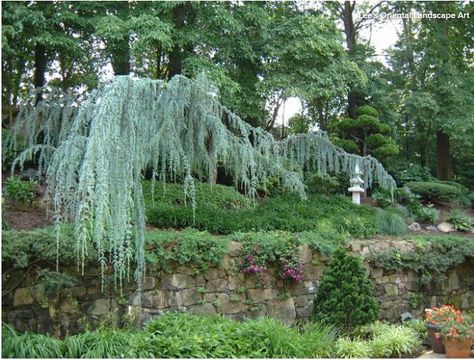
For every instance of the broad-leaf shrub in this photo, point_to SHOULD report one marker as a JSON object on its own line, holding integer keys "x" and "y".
{"x": 326, "y": 184}
{"x": 345, "y": 297}
{"x": 427, "y": 214}
{"x": 460, "y": 221}
{"x": 404, "y": 172}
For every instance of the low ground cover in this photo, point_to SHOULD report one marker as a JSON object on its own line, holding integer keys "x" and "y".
{"x": 226, "y": 213}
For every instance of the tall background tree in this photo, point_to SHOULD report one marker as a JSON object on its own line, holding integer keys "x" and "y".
{"x": 261, "y": 53}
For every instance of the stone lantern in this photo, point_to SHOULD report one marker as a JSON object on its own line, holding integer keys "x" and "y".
{"x": 356, "y": 185}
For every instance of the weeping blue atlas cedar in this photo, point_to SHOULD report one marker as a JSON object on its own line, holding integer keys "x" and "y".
{"x": 94, "y": 153}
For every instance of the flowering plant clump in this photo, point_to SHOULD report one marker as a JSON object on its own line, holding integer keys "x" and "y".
{"x": 292, "y": 271}
{"x": 451, "y": 322}
{"x": 249, "y": 266}
{"x": 274, "y": 249}
{"x": 436, "y": 316}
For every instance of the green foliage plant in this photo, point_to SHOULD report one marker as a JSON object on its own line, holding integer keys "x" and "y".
{"x": 427, "y": 214}
{"x": 408, "y": 172}
{"x": 29, "y": 345}
{"x": 345, "y": 297}
{"x": 460, "y": 221}
{"x": 183, "y": 335}
{"x": 21, "y": 248}
{"x": 55, "y": 282}
{"x": 20, "y": 191}
{"x": 382, "y": 198}
{"x": 187, "y": 247}
{"x": 432, "y": 256}
{"x": 322, "y": 184}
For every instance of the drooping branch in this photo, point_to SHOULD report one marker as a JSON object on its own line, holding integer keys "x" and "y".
{"x": 177, "y": 129}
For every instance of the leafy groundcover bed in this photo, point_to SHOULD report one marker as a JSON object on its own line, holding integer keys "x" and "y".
{"x": 180, "y": 335}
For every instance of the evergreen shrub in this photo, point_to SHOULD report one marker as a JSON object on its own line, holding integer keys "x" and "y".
{"x": 435, "y": 191}
{"x": 345, "y": 296}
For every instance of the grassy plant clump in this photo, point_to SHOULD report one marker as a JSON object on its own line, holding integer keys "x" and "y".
{"x": 182, "y": 335}
{"x": 391, "y": 223}
{"x": 29, "y": 345}
{"x": 101, "y": 344}
{"x": 391, "y": 341}
{"x": 349, "y": 348}
{"x": 346, "y": 296}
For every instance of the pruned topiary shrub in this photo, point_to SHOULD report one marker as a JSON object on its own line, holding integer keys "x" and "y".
{"x": 345, "y": 296}
{"x": 435, "y": 191}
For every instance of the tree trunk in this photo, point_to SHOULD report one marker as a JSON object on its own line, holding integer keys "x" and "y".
{"x": 353, "y": 99}
{"x": 120, "y": 48}
{"x": 180, "y": 15}
{"x": 121, "y": 57}
{"x": 41, "y": 62}
{"x": 444, "y": 168}
{"x": 349, "y": 27}
{"x": 175, "y": 64}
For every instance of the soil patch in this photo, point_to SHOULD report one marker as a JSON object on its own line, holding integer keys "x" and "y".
{"x": 22, "y": 217}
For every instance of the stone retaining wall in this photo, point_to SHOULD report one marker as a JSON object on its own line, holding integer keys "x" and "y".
{"x": 220, "y": 290}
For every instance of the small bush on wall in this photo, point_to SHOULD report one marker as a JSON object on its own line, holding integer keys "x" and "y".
{"x": 345, "y": 296}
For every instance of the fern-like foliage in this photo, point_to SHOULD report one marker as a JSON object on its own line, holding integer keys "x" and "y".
{"x": 179, "y": 130}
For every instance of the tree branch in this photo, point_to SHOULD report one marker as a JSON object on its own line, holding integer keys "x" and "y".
{"x": 359, "y": 23}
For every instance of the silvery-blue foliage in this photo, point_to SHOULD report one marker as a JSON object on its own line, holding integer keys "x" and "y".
{"x": 95, "y": 155}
